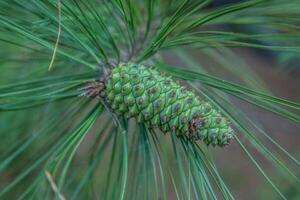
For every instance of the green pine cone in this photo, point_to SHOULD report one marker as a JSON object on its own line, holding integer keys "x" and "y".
{"x": 134, "y": 90}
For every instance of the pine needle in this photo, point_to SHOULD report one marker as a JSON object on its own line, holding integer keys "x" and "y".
{"x": 54, "y": 186}
{"x": 58, "y": 35}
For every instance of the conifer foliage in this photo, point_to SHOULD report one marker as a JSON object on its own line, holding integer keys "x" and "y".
{"x": 88, "y": 87}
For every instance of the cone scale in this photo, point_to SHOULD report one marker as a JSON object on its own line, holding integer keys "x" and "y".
{"x": 134, "y": 90}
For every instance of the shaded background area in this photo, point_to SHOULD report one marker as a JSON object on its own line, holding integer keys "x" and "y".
{"x": 237, "y": 169}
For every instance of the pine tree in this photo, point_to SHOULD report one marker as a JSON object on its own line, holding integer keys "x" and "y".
{"x": 89, "y": 87}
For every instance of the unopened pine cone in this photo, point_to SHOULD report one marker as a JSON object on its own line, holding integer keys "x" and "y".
{"x": 134, "y": 90}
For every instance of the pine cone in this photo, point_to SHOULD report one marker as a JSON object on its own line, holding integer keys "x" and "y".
{"x": 134, "y": 90}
